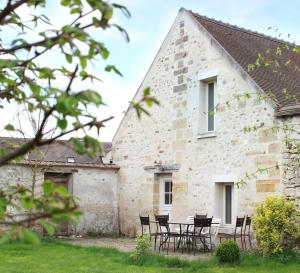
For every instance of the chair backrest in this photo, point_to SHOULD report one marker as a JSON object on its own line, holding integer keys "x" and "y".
{"x": 163, "y": 223}
{"x": 200, "y": 216}
{"x": 145, "y": 220}
{"x": 239, "y": 222}
{"x": 159, "y": 216}
{"x": 202, "y": 222}
{"x": 247, "y": 224}
{"x": 248, "y": 221}
{"x": 202, "y": 225}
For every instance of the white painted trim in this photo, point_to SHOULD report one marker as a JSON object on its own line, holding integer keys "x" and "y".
{"x": 224, "y": 178}
{"x": 207, "y": 134}
{"x": 207, "y": 74}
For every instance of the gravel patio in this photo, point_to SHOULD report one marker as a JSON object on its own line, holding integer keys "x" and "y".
{"x": 127, "y": 245}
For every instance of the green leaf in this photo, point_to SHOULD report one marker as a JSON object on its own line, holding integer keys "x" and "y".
{"x": 48, "y": 188}
{"x": 146, "y": 91}
{"x": 50, "y": 228}
{"x": 90, "y": 96}
{"x": 9, "y": 127}
{"x": 69, "y": 58}
{"x": 65, "y": 3}
{"x": 110, "y": 68}
{"x": 30, "y": 237}
{"x": 75, "y": 10}
{"x": 83, "y": 61}
{"x": 62, "y": 123}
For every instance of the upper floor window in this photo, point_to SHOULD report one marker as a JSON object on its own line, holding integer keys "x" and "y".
{"x": 210, "y": 97}
{"x": 207, "y": 95}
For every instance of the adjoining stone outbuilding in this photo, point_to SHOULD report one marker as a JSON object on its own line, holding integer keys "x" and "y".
{"x": 89, "y": 179}
{"x": 184, "y": 161}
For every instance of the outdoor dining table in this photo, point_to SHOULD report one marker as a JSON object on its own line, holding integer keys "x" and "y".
{"x": 183, "y": 231}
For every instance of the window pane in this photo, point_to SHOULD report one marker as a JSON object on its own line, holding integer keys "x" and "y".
{"x": 228, "y": 204}
{"x": 211, "y": 106}
{"x": 167, "y": 186}
{"x": 168, "y": 192}
{"x": 167, "y": 198}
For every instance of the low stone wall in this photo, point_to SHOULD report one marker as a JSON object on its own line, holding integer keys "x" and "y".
{"x": 95, "y": 188}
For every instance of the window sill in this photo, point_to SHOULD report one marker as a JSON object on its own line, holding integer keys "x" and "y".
{"x": 207, "y": 135}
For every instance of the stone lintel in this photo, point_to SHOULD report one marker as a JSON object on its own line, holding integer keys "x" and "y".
{"x": 162, "y": 168}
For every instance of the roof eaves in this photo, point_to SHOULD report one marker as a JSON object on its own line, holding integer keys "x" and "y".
{"x": 68, "y": 165}
{"x": 290, "y": 110}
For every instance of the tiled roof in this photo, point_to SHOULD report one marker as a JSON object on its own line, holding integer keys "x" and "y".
{"x": 58, "y": 152}
{"x": 244, "y": 45}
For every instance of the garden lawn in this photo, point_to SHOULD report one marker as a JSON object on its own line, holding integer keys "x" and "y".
{"x": 54, "y": 257}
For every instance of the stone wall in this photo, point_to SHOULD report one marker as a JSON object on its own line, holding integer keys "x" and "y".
{"x": 291, "y": 163}
{"x": 95, "y": 188}
{"x": 170, "y": 137}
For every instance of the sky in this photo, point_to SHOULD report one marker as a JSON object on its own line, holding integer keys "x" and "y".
{"x": 148, "y": 26}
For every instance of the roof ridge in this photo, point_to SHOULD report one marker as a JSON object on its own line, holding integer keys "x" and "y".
{"x": 249, "y": 31}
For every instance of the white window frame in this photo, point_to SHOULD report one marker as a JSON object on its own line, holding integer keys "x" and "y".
{"x": 165, "y": 208}
{"x": 219, "y": 197}
{"x": 205, "y": 77}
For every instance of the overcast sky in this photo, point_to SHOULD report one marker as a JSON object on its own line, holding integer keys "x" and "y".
{"x": 149, "y": 25}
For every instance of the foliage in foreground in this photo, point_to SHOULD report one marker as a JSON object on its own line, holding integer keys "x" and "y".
{"x": 228, "y": 252}
{"x": 50, "y": 256}
{"x": 275, "y": 223}
{"x": 46, "y": 69}
{"x": 142, "y": 248}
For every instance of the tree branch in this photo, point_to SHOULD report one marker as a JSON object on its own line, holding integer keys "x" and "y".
{"x": 10, "y": 8}
{"x": 38, "y": 216}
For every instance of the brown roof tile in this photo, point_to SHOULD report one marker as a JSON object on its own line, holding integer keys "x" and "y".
{"x": 244, "y": 45}
{"x": 57, "y": 152}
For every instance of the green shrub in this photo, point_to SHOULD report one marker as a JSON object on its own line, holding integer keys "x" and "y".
{"x": 275, "y": 224}
{"x": 228, "y": 252}
{"x": 142, "y": 248}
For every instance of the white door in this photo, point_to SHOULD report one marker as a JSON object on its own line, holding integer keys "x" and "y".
{"x": 166, "y": 195}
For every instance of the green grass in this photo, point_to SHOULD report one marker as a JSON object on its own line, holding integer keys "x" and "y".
{"x": 56, "y": 257}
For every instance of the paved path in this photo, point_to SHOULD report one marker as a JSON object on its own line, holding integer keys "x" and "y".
{"x": 128, "y": 244}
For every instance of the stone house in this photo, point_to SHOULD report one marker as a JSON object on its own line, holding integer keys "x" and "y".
{"x": 183, "y": 160}
{"x": 89, "y": 179}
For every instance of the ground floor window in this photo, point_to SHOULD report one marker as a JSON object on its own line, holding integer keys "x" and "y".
{"x": 224, "y": 200}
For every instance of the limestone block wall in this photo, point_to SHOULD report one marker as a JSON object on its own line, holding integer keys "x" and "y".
{"x": 95, "y": 188}
{"x": 291, "y": 163}
{"x": 170, "y": 137}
